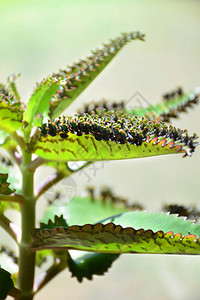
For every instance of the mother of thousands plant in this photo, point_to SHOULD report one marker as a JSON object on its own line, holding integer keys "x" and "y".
{"x": 103, "y": 225}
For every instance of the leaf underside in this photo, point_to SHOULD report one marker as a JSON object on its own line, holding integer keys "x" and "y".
{"x": 108, "y": 136}
{"x": 91, "y": 264}
{"x": 141, "y": 233}
{"x": 79, "y": 211}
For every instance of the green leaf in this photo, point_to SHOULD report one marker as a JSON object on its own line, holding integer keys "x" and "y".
{"x": 171, "y": 107}
{"x": 191, "y": 213}
{"x": 4, "y": 185}
{"x": 91, "y": 264}
{"x": 83, "y": 210}
{"x": 11, "y": 114}
{"x": 108, "y": 136}
{"x": 156, "y": 222}
{"x": 68, "y": 84}
{"x": 38, "y": 104}
{"x": 7, "y": 171}
{"x": 81, "y": 74}
{"x": 141, "y": 233}
{"x": 6, "y": 190}
{"x": 6, "y": 283}
{"x": 174, "y": 103}
{"x": 3, "y": 90}
{"x": 7, "y": 167}
{"x": 3, "y": 137}
{"x": 12, "y": 86}
{"x": 5, "y": 205}
{"x": 59, "y": 222}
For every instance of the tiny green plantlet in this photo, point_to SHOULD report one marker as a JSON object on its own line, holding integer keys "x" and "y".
{"x": 103, "y": 225}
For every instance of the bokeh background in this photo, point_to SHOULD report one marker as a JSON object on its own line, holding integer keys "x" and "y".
{"x": 37, "y": 37}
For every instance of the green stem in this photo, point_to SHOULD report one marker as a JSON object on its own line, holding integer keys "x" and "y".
{"x": 55, "y": 178}
{"x": 53, "y": 271}
{"x": 49, "y": 182}
{"x": 12, "y": 198}
{"x": 15, "y": 293}
{"x": 6, "y": 224}
{"x": 20, "y": 141}
{"x": 27, "y": 257}
{"x": 34, "y": 164}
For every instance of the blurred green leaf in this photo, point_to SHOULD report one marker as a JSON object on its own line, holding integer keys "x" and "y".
{"x": 174, "y": 103}
{"x": 12, "y": 86}
{"x": 91, "y": 264}
{"x": 81, "y": 210}
{"x": 3, "y": 137}
{"x": 170, "y": 108}
{"x": 6, "y": 283}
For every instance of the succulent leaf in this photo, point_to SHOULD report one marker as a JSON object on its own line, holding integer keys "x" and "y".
{"x": 38, "y": 104}
{"x": 191, "y": 213}
{"x": 12, "y": 86}
{"x": 55, "y": 93}
{"x": 5, "y": 205}
{"x": 7, "y": 168}
{"x": 6, "y": 283}
{"x": 132, "y": 232}
{"x": 108, "y": 136}
{"x": 91, "y": 264}
{"x": 59, "y": 222}
{"x": 3, "y": 90}
{"x": 3, "y": 137}
{"x": 6, "y": 190}
{"x": 82, "y": 210}
{"x": 11, "y": 114}
{"x": 82, "y": 73}
{"x": 173, "y": 104}
{"x": 4, "y": 185}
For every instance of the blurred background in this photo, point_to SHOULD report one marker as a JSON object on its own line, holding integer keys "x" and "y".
{"x": 39, "y": 37}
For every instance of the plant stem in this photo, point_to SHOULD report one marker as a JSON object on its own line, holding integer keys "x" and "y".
{"x": 15, "y": 293}
{"x": 6, "y": 224}
{"x": 34, "y": 164}
{"x": 49, "y": 182}
{"x": 55, "y": 178}
{"x": 12, "y": 198}
{"x": 27, "y": 257}
{"x": 20, "y": 141}
{"x": 47, "y": 276}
